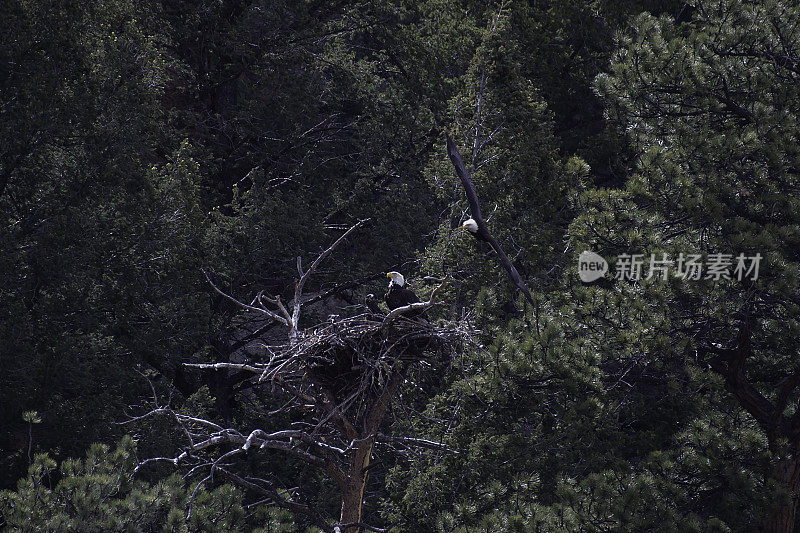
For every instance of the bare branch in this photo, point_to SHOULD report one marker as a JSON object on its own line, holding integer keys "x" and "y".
{"x": 283, "y": 309}
{"x": 181, "y": 418}
{"x": 276, "y": 499}
{"x": 243, "y": 305}
{"x": 300, "y": 285}
{"x": 362, "y": 525}
{"x": 194, "y": 493}
{"x": 418, "y": 305}
{"x": 422, "y": 443}
{"x": 226, "y": 366}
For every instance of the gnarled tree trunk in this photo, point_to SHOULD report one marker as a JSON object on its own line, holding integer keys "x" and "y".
{"x": 781, "y": 518}
{"x": 353, "y": 492}
{"x": 353, "y": 485}
{"x": 770, "y": 416}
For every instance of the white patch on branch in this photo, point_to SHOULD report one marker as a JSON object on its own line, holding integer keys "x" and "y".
{"x": 397, "y": 311}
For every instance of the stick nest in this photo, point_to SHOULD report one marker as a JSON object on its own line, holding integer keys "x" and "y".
{"x": 348, "y": 350}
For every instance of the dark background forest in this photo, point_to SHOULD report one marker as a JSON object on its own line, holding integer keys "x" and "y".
{"x": 150, "y": 148}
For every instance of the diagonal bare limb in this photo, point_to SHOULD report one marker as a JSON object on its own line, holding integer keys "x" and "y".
{"x": 243, "y": 305}
{"x": 397, "y": 311}
{"x": 300, "y": 285}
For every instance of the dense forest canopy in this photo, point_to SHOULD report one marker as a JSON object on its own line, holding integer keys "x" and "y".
{"x": 200, "y": 201}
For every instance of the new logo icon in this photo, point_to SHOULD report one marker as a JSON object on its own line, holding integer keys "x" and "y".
{"x": 591, "y": 267}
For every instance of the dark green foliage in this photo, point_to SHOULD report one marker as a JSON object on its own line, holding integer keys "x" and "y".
{"x": 100, "y": 218}
{"x": 100, "y": 494}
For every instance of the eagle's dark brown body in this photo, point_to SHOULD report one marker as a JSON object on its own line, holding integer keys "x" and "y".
{"x": 398, "y": 296}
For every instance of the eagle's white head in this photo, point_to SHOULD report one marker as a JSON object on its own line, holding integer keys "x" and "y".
{"x": 396, "y": 278}
{"x": 470, "y": 225}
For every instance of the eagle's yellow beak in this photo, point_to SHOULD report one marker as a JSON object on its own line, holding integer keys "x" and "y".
{"x": 388, "y": 274}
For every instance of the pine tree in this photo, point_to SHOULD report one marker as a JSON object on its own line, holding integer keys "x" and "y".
{"x": 711, "y": 109}
{"x": 99, "y": 494}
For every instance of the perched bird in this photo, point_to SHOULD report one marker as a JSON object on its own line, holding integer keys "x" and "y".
{"x": 399, "y": 295}
{"x": 476, "y": 225}
{"x": 372, "y": 305}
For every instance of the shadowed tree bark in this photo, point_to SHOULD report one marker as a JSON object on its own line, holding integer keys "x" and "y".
{"x": 783, "y": 433}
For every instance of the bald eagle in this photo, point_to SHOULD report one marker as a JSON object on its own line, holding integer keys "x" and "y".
{"x": 472, "y": 226}
{"x": 476, "y": 225}
{"x": 399, "y": 295}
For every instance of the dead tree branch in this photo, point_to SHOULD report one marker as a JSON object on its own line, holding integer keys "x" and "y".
{"x": 394, "y": 313}
{"x": 283, "y": 315}
{"x": 335, "y": 382}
